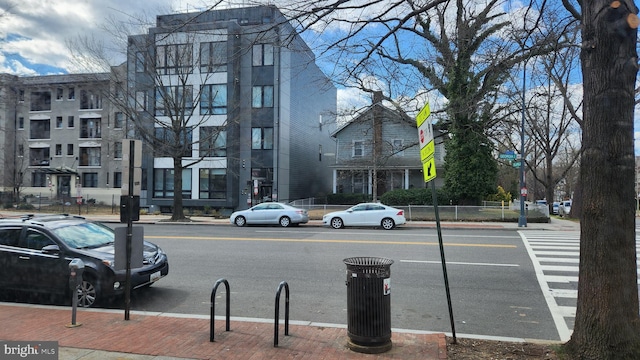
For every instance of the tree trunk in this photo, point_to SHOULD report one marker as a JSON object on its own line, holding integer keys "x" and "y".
{"x": 607, "y": 321}
{"x": 178, "y": 209}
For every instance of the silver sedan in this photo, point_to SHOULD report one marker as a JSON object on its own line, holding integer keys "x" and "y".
{"x": 270, "y": 213}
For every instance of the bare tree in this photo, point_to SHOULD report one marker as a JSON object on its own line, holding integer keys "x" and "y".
{"x": 168, "y": 87}
{"x": 552, "y": 114}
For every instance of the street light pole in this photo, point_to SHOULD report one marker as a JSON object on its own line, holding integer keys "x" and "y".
{"x": 522, "y": 220}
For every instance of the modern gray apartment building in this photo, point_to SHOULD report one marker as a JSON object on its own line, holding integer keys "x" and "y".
{"x": 257, "y": 109}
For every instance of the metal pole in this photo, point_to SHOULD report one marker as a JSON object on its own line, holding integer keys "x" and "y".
{"x": 444, "y": 263}
{"x": 127, "y": 291}
{"x": 522, "y": 220}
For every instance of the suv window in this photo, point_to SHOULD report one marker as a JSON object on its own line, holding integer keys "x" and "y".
{"x": 36, "y": 240}
{"x": 10, "y": 237}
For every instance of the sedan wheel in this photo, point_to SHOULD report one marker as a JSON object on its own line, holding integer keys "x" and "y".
{"x": 336, "y": 223}
{"x": 87, "y": 293}
{"x": 240, "y": 221}
{"x": 387, "y": 224}
{"x": 285, "y": 221}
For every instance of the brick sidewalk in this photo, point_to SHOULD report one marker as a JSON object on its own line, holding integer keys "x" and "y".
{"x": 165, "y": 335}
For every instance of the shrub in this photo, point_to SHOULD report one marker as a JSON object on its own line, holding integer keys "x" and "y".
{"x": 420, "y": 196}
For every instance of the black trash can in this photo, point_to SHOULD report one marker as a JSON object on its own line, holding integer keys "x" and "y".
{"x": 369, "y": 304}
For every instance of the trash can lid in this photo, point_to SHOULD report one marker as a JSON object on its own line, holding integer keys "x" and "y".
{"x": 368, "y": 261}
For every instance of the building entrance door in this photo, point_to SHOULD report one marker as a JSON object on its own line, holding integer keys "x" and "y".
{"x": 64, "y": 188}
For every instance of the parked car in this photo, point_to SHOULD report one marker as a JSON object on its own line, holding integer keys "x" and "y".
{"x": 270, "y": 213}
{"x": 556, "y": 207}
{"x": 366, "y": 214}
{"x": 564, "y": 208}
{"x": 35, "y": 252}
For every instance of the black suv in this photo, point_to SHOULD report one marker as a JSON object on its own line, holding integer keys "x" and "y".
{"x": 35, "y": 252}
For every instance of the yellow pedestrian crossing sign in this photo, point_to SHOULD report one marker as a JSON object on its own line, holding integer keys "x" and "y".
{"x": 429, "y": 169}
{"x": 427, "y": 143}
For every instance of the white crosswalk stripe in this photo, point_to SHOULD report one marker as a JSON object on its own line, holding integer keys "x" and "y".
{"x": 555, "y": 256}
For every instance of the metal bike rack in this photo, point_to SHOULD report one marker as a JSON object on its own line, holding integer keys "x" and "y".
{"x": 286, "y": 312}
{"x": 213, "y": 295}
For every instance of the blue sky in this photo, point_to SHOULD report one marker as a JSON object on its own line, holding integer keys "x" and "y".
{"x": 34, "y": 34}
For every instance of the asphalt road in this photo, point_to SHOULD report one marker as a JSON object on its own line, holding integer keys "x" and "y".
{"x": 493, "y": 287}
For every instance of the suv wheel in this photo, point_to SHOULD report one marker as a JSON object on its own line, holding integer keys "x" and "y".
{"x": 87, "y": 293}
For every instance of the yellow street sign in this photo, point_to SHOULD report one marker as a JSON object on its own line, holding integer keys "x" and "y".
{"x": 429, "y": 169}
{"x": 428, "y": 150}
{"x": 423, "y": 114}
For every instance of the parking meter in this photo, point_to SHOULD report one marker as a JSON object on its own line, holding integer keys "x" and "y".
{"x": 76, "y": 268}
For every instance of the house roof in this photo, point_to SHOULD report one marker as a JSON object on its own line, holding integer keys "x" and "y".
{"x": 390, "y": 113}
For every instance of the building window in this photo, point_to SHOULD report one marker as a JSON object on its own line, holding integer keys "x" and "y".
{"x": 262, "y": 96}
{"x": 140, "y": 63}
{"x": 117, "y": 150}
{"x": 72, "y": 94}
{"x": 21, "y": 123}
{"x": 39, "y": 156}
{"x": 90, "y": 99}
{"x": 118, "y": 120}
{"x": 59, "y": 93}
{"x": 20, "y": 150}
{"x": 58, "y": 122}
{"x": 213, "y": 184}
{"x": 213, "y": 141}
{"x": 69, "y": 149}
{"x": 172, "y": 100}
{"x": 358, "y": 148}
{"x": 40, "y": 129}
{"x": 70, "y": 122}
{"x": 40, "y": 101}
{"x": 141, "y": 101}
{"x": 90, "y": 180}
{"x": 163, "y": 185}
{"x": 167, "y": 144}
{"x": 262, "y": 55}
{"x": 261, "y": 138}
{"x": 90, "y": 156}
{"x": 38, "y": 179}
{"x": 20, "y": 95}
{"x": 174, "y": 59}
{"x": 117, "y": 179}
{"x": 398, "y": 147}
{"x": 58, "y": 149}
{"x": 213, "y": 57}
{"x": 213, "y": 99}
{"x": 90, "y": 129}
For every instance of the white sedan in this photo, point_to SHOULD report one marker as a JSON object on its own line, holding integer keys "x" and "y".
{"x": 270, "y": 213}
{"x": 366, "y": 214}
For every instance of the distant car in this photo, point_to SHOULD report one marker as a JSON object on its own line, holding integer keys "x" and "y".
{"x": 366, "y": 214}
{"x": 556, "y": 207}
{"x": 270, "y": 213}
{"x": 35, "y": 252}
{"x": 565, "y": 208}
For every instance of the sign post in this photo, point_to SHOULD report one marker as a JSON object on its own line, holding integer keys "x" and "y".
{"x": 131, "y": 161}
{"x": 427, "y": 156}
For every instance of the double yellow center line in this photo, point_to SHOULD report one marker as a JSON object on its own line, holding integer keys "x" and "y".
{"x": 329, "y": 241}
